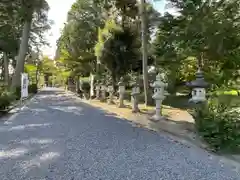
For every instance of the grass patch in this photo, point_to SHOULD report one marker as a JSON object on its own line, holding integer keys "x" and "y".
{"x": 229, "y": 92}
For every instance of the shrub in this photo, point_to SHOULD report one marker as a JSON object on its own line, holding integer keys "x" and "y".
{"x": 219, "y": 125}
{"x": 85, "y": 86}
{"x": 17, "y": 92}
{"x": 32, "y": 88}
{"x": 6, "y": 99}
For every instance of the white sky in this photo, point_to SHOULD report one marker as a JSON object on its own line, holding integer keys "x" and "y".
{"x": 58, "y": 13}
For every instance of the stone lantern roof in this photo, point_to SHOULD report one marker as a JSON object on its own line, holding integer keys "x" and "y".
{"x": 158, "y": 83}
{"x": 199, "y": 82}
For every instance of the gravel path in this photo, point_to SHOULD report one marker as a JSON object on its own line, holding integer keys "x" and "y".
{"x": 55, "y": 137}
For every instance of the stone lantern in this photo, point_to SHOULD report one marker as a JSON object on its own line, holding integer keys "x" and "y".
{"x": 98, "y": 90}
{"x": 103, "y": 89}
{"x": 135, "y": 93}
{"x": 121, "y": 91}
{"x": 110, "y": 90}
{"x": 159, "y": 95}
{"x": 198, "y": 88}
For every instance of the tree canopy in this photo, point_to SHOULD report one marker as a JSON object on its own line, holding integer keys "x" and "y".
{"x": 208, "y": 32}
{"x": 105, "y": 32}
{"x": 22, "y": 31}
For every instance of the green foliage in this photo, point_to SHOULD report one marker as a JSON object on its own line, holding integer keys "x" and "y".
{"x": 219, "y": 125}
{"x": 118, "y": 49}
{"x": 31, "y": 69}
{"x": 9, "y": 28}
{"x": 33, "y": 88}
{"x": 111, "y": 35}
{"x": 75, "y": 53}
{"x": 128, "y": 8}
{"x": 12, "y": 17}
{"x": 205, "y": 30}
{"x": 6, "y": 99}
{"x": 85, "y": 87}
{"x": 17, "y": 92}
{"x": 47, "y": 66}
{"x": 18, "y": 16}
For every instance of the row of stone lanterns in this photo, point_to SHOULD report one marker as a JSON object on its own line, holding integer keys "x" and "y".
{"x": 159, "y": 94}
{"x": 198, "y": 93}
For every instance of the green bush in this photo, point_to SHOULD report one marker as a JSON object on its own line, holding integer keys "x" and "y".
{"x": 6, "y": 99}
{"x": 219, "y": 125}
{"x": 32, "y": 88}
{"x": 17, "y": 92}
{"x": 85, "y": 86}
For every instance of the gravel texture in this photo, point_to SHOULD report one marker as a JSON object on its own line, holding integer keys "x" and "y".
{"x": 56, "y": 137}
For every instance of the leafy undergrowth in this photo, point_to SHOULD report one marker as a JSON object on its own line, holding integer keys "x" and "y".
{"x": 6, "y": 99}
{"x": 219, "y": 125}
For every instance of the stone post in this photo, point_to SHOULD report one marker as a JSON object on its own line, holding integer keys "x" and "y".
{"x": 121, "y": 91}
{"x": 92, "y": 94}
{"x": 97, "y": 90}
{"x": 135, "y": 93}
{"x": 159, "y": 95}
{"x": 103, "y": 92}
{"x": 110, "y": 91}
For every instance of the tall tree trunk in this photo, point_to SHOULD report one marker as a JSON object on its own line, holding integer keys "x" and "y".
{"x": 77, "y": 83}
{"x": 98, "y": 66}
{"x": 38, "y": 67}
{"x": 37, "y": 73}
{"x": 123, "y": 16}
{"x": 114, "y": 81}
{"x": 2, "y": 67}
{"x": 16, "y": 81}
{"x": 106, "y": 9}
{"x": 92, "y": 77}
{"x": 144, "y": 49}
{"x": 6, "y": 70}
{"x": 200, "y": 61}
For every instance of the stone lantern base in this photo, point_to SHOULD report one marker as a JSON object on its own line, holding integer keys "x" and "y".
{"x": 102, "y": 99}
{"x": 121, "y": 105}
{"x": 136, "y": 111}
{"x": 110, "y": 101}
{"x": 97, "y": 95}
{"x": 197, "y": 100}
{"x": 134, "y": 102}
{"x": 103, "y": 96}
{"x": 121, "y": 101}
{"x": 157, "y": 118}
